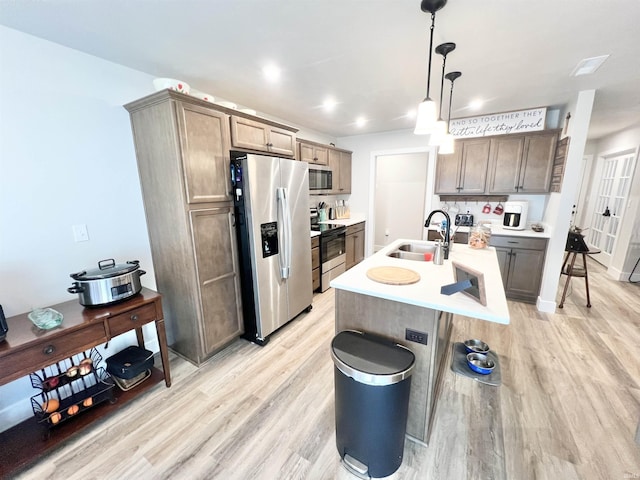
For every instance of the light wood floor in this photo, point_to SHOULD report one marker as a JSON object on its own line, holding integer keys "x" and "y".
{"x": 568, "y": 407}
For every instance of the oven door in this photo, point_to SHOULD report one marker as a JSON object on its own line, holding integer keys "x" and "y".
{"x": 332, "y": 256}
{"x": 332, "y": 244}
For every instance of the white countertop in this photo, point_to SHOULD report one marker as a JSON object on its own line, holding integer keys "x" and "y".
{"x": 426, "y": 292}
{"x": 499, "y": 230}
{"x": 314, "y": 234}
{"x": 347, "y": 222}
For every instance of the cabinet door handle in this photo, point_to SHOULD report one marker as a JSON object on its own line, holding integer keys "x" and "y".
{"x": 48, "y": 350}
{"x": 134, "y": 318}
{"x": 512, "y": 241}
{"x": 269, "y": 144}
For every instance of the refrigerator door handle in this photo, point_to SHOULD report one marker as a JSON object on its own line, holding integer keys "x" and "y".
{"x": 285, "y": 248}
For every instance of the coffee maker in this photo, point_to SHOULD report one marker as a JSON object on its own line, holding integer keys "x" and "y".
{"x": 515, "y": 215}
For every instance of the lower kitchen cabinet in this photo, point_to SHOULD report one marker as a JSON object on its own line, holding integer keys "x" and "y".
{"x": 521, "y": 262}
{"x": 315, "y": 262}
{"x": 218, "y": 280}
{"x": 354, "y": 244}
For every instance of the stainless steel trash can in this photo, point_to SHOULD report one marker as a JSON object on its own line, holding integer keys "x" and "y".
{"x": 372, "y": 386}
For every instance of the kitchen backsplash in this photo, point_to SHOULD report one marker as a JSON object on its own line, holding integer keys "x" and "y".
{"x": 537, "y": 204}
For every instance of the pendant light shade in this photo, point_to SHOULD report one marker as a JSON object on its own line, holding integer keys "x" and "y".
{"x": 440, "y": 127}
{"x": 437, "y": 133}
{"x": 447, "y": 144}
{"x": 426, "y": 118}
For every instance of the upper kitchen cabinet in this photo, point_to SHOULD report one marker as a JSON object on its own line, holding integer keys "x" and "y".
{"x": 204, "y": 141}
{"x": 464, "y": 171}
{"x": 313, "y": 153}
{"x": 262, "y": 136}
{"x": 182, "y": 148}
{"x": 340, "y": 164}
{"x": 522, "y": 163}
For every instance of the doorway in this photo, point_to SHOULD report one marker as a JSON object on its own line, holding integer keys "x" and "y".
{"x": 400, "y": 196}
{"x": 611, "y": 185}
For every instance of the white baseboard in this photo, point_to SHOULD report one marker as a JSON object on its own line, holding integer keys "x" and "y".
{"x": 545, "y": 306}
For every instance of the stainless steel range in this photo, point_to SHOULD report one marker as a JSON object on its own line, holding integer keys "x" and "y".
{"x": 332, "y": 250}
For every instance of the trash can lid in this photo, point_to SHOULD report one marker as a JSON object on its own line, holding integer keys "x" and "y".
{"x": 371, "y": 359}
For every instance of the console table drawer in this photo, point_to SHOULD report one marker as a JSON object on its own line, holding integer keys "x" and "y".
{"x": 50, "y": 350}
{"x": 132, "y": 319}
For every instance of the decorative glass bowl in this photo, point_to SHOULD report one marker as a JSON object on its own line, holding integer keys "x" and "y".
{"x": 45, "y": 318}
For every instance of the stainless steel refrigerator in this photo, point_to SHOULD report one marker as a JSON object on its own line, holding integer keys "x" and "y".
{"x": 272, "y": 220}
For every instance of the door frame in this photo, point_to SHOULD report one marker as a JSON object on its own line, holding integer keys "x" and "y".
{"x": 593, "y": 191}
{"x": 428, "y": 202}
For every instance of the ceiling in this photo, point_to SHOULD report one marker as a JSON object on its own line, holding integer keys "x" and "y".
{"x": 370, "y": 55}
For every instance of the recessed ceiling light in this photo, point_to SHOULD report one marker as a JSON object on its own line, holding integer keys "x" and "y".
{"x": 587, "y": 66}
{"x": 476, "y": 104}
{"x": 361, "y": 122}
{"x": 411, "y": 113}
{"x": 271, "y": 72}
{"x": 329, "y": 104}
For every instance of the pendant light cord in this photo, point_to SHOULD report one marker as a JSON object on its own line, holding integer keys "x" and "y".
{"x": 433, "y": 26}
{"x": 450, "y": 98}
{"x": 444, "y": 61}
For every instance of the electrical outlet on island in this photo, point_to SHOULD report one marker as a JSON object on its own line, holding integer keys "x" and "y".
{"x": 415, "y": 336}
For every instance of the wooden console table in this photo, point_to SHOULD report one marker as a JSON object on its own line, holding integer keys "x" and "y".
{"x": 28, "y": 349}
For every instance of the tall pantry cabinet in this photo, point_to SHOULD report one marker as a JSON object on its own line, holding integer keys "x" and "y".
{"x": 182, "y": 148}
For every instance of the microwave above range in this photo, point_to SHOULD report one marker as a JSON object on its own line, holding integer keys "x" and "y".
{"x": 320, "y": 179}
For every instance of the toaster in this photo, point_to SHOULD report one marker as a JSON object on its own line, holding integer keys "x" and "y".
{"x": 464, "y": 220}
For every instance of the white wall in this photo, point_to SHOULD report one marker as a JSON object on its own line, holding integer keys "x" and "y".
{"x": 558, "y": 211}
{"x": 67, "y": 158}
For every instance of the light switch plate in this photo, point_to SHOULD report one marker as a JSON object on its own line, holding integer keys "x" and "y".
{"x": 80, "y": 233}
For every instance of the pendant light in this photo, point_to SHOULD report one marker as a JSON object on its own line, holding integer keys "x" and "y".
{"x": 447, "y": 144}
{"x": 440, "y": 127}
{"x": 426, "y": 117}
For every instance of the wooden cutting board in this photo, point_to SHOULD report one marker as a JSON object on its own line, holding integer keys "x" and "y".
{"x": 393, "y": 275}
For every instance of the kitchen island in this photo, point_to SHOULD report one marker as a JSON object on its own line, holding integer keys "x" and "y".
{"x": 420, "y": 312}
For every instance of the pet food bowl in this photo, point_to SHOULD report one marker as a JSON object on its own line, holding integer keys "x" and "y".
{"x": 475, "y": 346}
{"x": 480, "y": 363}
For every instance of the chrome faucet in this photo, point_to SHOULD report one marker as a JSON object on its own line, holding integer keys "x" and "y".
{"x": 447, "y": 230}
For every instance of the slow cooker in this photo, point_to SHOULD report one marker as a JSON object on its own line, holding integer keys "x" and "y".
{"x": 107, "y": 284}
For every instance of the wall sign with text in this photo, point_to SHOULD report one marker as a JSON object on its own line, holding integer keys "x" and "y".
{"x": 499, "y": 123}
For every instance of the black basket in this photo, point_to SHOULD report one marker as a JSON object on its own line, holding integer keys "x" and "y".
{"x": 73, "y": 397}
{"x": 66, "y": 371}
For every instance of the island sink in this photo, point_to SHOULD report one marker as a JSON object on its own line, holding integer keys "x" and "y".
{"x": 418, "y": 247}
{"x": 407, "y": 255}
{"x": 413, "y": 251}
